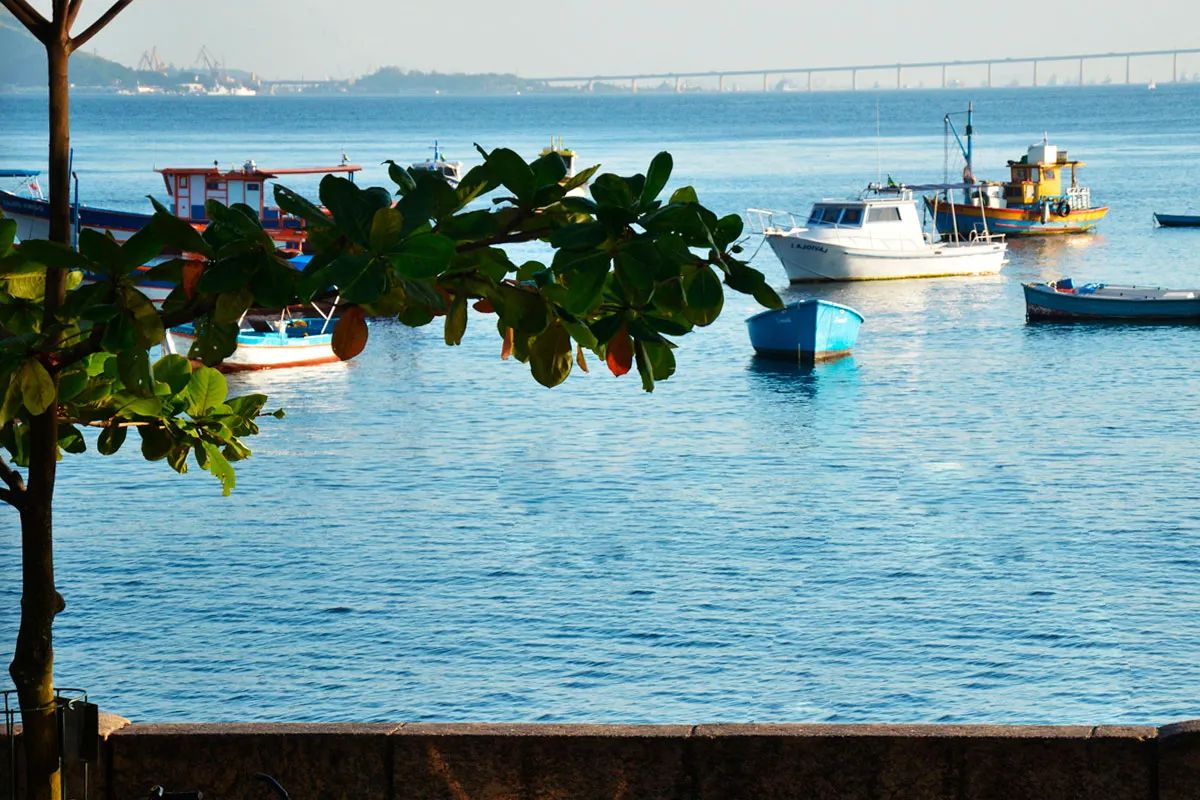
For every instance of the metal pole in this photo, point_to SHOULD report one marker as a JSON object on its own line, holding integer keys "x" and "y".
{"x": 943, "y": 76}
{"x": 1175, "y": 68}
{"x": 854, "y": 80}
{"x": 1035, "y": 83}
{"x": 989, "y": 74}
{"x": 1126, "y": 70}
{"x": 899, "y": 69}
{"x": 1081, "y": 72}
{"x": 810, "y": 80}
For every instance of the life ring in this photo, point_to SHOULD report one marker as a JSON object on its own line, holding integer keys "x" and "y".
{"x": 1064, "y": 208}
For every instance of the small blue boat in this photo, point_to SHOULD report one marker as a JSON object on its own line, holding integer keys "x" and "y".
{"x": 1176, "y": 220}
{"x": 1063, "y": 300}
{"x": 809, "y": 330}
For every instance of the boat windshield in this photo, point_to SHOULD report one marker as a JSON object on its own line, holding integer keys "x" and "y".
{"x": 835, "y": 215}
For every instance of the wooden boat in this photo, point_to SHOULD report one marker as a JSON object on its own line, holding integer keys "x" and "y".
{"x": 270, "y": 343}
{"x": 1063, "y": 300}
{"x": 1035, "y": 201}
{"x": 875, "y": 237}
{"x": 1176, "y": 221}
{"x": 808, "y": 330}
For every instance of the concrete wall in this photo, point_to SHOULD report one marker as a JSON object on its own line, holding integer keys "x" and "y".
{"x": 665, "y": 762}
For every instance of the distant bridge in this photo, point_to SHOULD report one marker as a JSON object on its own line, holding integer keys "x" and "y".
{"x": 854, "y": 70}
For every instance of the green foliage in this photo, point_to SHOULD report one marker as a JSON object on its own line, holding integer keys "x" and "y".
{"x": 626, "y": 273}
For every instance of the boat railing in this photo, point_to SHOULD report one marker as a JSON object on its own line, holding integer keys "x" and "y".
{"x": 1079, "y": 197}
{"x": 761, "y": 220}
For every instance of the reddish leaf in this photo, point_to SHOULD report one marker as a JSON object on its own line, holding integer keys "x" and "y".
{"x": 506, "y": 348}
{"x": 350, "y": 333}
{"x": 579, "y": 359}
{"x": 483, "y": 306}
{"x": 192, "y": 271}
{"x": 620, "y": 353}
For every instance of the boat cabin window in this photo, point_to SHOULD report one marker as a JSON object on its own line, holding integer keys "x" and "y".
{"x": 883, "y": 214}
{"x": 852, "y": 216}
{"x": 1047, "y": 174}
{"x": 835, "y": 215}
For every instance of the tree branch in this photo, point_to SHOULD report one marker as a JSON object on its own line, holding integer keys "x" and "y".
{"x": 73, "y": 12}
{"x": 11, "y": 477}
{"x": 28, "y": 16}
{"x": 12, "y": 498}
{"x": 523, "y": 236}
{"x": 97, "y": 26}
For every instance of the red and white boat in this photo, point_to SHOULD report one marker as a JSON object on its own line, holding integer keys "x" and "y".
{"x": 189, "y": 188}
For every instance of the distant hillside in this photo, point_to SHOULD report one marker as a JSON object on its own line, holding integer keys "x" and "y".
{"x": 393, "y": 80}
{"x": 23, "y": 62}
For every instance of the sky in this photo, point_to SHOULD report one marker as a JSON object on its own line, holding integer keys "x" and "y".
{"x": 312, "y": 38}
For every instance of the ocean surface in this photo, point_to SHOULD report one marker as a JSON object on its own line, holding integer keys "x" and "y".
{"x": 973, "y": 519}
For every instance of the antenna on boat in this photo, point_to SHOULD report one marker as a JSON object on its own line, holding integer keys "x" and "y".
{"x": 878, "y": 155}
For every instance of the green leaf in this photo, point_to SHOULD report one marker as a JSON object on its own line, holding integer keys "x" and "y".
{"x": 111, "y": 439}
{"x": 219, "y": 466}
{"x": 232, "y": 305}
{"x": 8, "y": 234}
{"x": 415, "y": 316}
{"x": 644, "y": 367}
{"x": 704, "y": 296}
{"x": 70, "y": 439}
{"x": 236, "y": 218}
{"x": 584, "y": 276}
{"x": 176, "y": 233}
{"x": 513, "y": 173}
{"x": 214, "y": 341}
{"x": 299, "y": 206}
{"x": 156, "y": 442}
{"x": 456, "y": 320}
{"x": 205, "y": 388}
{"x": 635, "y": 270}
{"x": 71, "y": 383}
{"x": 425, "y": 256}
{"x": 612, "y": 190}
{"x": 579, "y": 179}
{"x": 134, "y": 368}
{"x": 523, "y": 310}
{"x": 229, "y": 274}
{"x": 685, "y": 194}
{"x": 579, "y": 236}
{"x": 174, "y": 370}
{"x": 103, "y": 250}
{"x": 656, "y": 179}
{"x": 119, "y": 334}
{"x": 146, "y": 323}
{"x": 53, "y": 254}
{"x": 401, "y": 177}
{"x": 11, "y": 407}
{"x": 37, "y": 387}
{"x": 550, "y": 356}
{"x": 385, "y": 229}
{"x": 549, "y": 169}
{"x": 352, "y": 212}
{"x": 274, "y": 285}
{"x": 727, "y": 230}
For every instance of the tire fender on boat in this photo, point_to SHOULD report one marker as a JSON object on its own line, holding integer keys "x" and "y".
{"x": 1064, "y": 208}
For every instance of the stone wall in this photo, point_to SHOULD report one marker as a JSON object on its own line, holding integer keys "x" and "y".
{"x": 656, "y": 762}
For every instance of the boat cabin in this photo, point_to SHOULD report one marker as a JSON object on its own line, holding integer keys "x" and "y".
{"x": 1037, "y": 180}
{"x": 565, "y": 153}
{"x": 190, "y": 188}
{"x": 888, "y": 214}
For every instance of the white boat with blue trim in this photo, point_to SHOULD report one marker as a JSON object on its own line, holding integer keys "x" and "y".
{"x": 877, "y": 236}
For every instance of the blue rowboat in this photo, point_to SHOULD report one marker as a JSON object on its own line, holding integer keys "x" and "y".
{"x": 809, "y": 330}
{"x": 1062, "y": 300}
{"x": 1176, "y": 221}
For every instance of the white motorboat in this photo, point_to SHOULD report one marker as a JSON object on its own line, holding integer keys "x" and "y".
{"x": 451, "y": 171}
{"x": 875, "y": 237}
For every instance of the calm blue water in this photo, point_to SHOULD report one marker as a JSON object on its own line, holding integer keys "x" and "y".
{"x": 973, "y": 519}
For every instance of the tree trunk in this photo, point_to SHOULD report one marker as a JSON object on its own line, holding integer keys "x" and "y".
{"x": 32, "y": 667}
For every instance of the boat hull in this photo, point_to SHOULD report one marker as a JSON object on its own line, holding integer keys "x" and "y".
{"x": 813, "y": 260}
{"x": 1124, "y": 303}
{"x": 1177, "y": 221}
{"x": 257, "y": 351}
{"x": 810, "y": 330}
{"x": 968, "y": 219}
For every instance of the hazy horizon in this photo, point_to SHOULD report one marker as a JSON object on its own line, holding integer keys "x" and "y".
{"x": 313, "y": 39}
